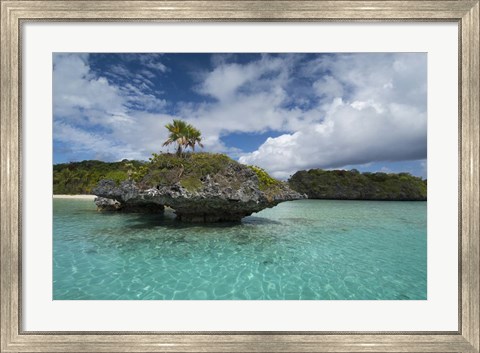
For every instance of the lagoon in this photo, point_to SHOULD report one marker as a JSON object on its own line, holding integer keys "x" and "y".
{"x": 298, "y": 250}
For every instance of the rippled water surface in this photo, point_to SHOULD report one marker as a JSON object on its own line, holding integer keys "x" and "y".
{"x": 308, "y": 249}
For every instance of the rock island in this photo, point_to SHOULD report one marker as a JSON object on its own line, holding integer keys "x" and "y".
{"x": 200, "y": 187}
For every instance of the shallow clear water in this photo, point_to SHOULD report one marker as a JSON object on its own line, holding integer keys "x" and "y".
{"x": 308, "y": 249}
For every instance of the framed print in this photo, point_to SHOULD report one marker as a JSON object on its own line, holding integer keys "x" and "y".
{"x": 259, "y": 171}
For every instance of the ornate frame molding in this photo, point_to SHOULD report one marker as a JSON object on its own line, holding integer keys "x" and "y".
{"x": 13, "y": 13}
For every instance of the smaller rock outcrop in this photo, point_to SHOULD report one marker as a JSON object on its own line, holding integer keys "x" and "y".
{"x": 106, "y": 204}
{"x": 216, "y": 192}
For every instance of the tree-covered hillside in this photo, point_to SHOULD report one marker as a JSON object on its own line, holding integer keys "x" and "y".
{"x": 353, "y": 185}
{"x": 82, "y": 177}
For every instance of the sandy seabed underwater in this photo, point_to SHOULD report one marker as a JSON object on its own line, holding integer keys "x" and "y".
{"x": 298, "y": 250}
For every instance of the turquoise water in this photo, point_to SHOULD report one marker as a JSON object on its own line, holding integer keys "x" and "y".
{"x": 308, "y": 249}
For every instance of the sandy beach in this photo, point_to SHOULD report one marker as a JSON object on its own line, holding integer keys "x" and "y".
{"x": 88, "y": 197}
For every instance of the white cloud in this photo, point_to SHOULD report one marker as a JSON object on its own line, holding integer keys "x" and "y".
{"x": 75, "y": 90}
{"x": 328, "y": 86}
{"x": 227, "y": 79}
{"x": 152, "y": 61}
{"x": 381, "y": 117}
{"x": 83, "y": 141}
{"x": 384, "y": 90}
{"x": 346, "y": 136}
{"x": 94, "y": 115}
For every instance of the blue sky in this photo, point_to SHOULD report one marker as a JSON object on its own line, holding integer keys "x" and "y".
{"x": 282, "y": 112}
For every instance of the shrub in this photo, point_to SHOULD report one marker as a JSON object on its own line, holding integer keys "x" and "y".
{"x": 264, "y": 179}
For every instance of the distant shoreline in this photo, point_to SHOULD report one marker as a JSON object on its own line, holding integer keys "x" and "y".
{"x": 87, "y": 197}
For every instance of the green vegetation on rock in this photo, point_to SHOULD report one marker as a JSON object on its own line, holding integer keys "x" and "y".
{"x": 264, "y": 179}
{"x": 163, "y": 169}
{"x": 188, "y": 169}
{"x": 353, "y": 185}
{"x": 191, "y": 183}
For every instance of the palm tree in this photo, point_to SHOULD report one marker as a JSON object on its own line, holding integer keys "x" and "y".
{"x": 194, "y": 136}
{"x": 177, "y": 134}
{"x": 183, "y": 135}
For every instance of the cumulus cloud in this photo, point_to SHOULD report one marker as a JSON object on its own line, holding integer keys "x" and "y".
{"x": 76, "y": 90}
{"x": 248, "y": 98}
{"x": 230, "y": 80}
{"x": 381, "y": 116}
{"x": 94, "y": 115}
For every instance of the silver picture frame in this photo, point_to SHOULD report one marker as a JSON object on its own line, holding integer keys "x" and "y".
{"x": 15, "y": 13}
